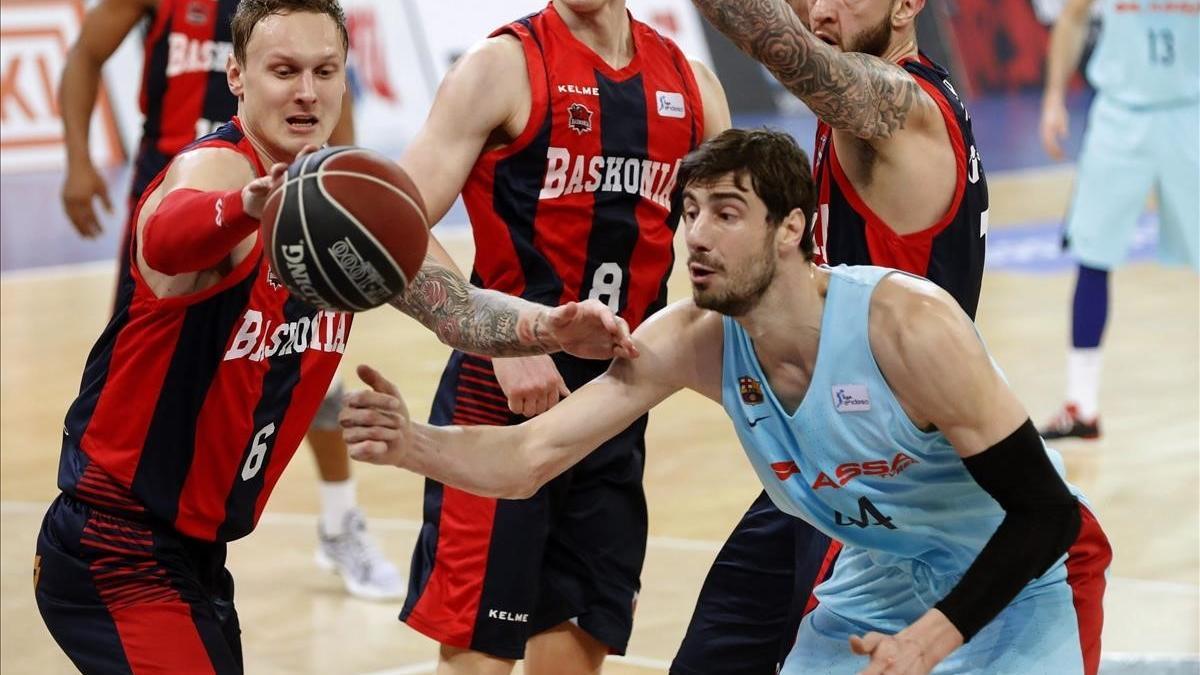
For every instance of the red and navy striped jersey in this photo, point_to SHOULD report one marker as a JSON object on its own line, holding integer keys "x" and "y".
{"x": 950, "y": 252}
{"x": 190, "y": 407}
{"x": 184, "y": 90}
{"x": 580, "y": 204}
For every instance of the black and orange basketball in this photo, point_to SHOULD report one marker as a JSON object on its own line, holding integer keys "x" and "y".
{"x": 346, "y": 230}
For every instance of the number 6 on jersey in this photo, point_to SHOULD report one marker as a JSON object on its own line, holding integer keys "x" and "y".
{"x": 258, "y": 450}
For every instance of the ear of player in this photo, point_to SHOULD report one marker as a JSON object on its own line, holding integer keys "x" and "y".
{"x": 346, "y": 230}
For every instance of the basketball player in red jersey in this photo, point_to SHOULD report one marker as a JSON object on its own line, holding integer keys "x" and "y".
{"x": 184, "y": 96}
{"x": 899, "y": 184}
{"x": 200, "y": 389}
{"x": 563, "y": 132}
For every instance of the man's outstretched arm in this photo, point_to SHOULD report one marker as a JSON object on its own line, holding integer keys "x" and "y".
{"x": 858, "y": 93}
{"x": 679, "y": 348}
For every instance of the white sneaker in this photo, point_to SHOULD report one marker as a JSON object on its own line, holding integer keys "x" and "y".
{"x": 356, "y": 557}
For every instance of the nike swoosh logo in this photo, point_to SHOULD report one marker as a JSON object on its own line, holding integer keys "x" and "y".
{"x": 754, "y": 422}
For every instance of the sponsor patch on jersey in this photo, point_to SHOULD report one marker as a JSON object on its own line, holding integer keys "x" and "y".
{"x": 751, "y": 390}
{"x": 197, "y": 12}
{"x": 851, "y": 398}
{"x": 670, "y": 103}
{"x": 579, "y": 118}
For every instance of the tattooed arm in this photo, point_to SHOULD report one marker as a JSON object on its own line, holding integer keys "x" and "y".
{"x": 472, "y": 319}
{"x": 858, "y": 93}
{"x": 493, "y": 323}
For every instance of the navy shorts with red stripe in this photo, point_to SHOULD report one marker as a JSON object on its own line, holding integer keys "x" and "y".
{"x": 123, "y": 595}
{"x": 488, "y": 574}
{"x": 755, "y": 595}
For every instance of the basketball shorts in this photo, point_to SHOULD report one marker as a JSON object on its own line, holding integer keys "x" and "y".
{"x": 122, "y": 595}
{"x": 1052, "y": 627}
{"x": 755, "y": 594}
{"x": 488, "y": 574}
{"x": 1127, "y": 152}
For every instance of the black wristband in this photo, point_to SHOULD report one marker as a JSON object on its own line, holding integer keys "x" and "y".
{"x": 1041, "y": 521}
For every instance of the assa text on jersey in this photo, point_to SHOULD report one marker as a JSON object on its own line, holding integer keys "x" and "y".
{"x": 257, "y": 338}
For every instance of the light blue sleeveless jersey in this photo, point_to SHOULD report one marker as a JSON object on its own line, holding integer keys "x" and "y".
{"x": 1148, "y": 53}
{"x": 850, "y": 461}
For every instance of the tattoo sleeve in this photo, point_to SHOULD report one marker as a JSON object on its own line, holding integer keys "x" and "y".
{"x": 859, "y": 93}
{"x": 469, "y": 318}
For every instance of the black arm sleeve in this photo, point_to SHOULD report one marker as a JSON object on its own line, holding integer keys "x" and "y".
{"x": 1041, "y": 521}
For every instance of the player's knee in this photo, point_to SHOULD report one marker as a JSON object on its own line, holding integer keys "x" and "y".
{"x": 327, "y": 414}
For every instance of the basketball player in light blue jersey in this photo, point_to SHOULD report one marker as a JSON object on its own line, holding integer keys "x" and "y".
{"x": 1143, "y": 132}
{"x": 867, "y": 405}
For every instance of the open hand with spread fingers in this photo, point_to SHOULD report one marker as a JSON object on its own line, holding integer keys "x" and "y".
{"x": 375, "y": 423}
{"x": 587, "y": 329}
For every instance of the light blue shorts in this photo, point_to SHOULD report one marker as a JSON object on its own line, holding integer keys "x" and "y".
{"x": 1127, "y": 152}
{"x": 1037, "y": 633}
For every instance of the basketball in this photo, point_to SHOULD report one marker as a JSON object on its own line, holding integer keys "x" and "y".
{"x": 346, "y": 230}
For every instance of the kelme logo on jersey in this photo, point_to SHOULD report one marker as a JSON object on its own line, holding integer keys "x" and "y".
{"x": 851, "y": 398}
{"x": 567, "y": 175}
{"x": 189, "y": 55}
{"x": 751, "y": 390}
{"x": 258, "y": 338}
{"x": 670, "y": 104}
{"x": 579, "y": 118}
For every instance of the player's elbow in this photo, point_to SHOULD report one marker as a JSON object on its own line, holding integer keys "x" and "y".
{"x": 534, "y": 467}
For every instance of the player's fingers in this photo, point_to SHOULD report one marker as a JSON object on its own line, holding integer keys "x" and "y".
{"x": 360, "y": 434}
{"x": 368, "y": 451}
{"x": 368, "y": 417}
{"x": 368, "y": 398}
{"x": 102, "y": 194}
{"x": 858, "y": 645}
{"x": 564, "y": 314}
{"x": 516, "y": 403}
{"x": 563, "y": 390}
{"x": 865, "y": 644}
{"x": 375, "y": 380}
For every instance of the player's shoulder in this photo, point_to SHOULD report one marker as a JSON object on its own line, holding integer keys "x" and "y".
{"x": 911, "y": 313}
{"x": 491, "y": 61}
{"x": 210, "y": 167}
{"x": 682, "y": 323}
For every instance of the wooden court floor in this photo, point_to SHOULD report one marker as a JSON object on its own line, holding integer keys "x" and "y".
{"x": 1142, "y": 478}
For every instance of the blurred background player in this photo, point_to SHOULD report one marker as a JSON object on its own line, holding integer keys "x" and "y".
{"x": 181, "y": 429}
{"x": 184, "y": 95}
{"x": 566, "y": 168}
{"x": 1143, "y": 134}
{"x": 899, "y": 184}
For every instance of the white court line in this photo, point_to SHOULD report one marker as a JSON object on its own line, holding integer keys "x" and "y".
{"x": 23, "y": 508}
{"x": 431, "y": 666}
{"x": 413, "y": 669}
{"x": 377, "y": 523}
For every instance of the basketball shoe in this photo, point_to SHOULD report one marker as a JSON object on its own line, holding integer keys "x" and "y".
{"x": 357, "y": 559}
{"x": 1068, "y": 424}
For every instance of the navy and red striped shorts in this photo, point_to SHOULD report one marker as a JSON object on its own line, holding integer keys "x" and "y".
{"x": 122, "y": 595}
{"x": 488, "y": 574}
